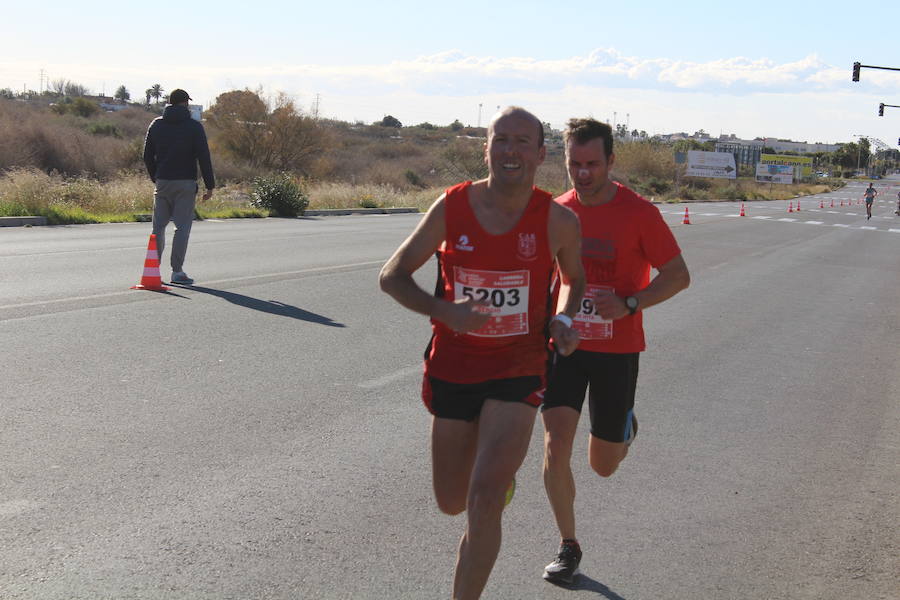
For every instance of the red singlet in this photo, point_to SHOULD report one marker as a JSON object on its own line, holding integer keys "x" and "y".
{"x": 512, "y": 272}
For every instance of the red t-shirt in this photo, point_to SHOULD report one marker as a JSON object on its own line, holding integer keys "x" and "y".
{"x": 620, "y": 241}
{"x": 513, "y": 271}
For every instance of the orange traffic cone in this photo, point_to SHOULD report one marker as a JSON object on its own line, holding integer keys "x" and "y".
{"x": 842, "y": 201}
{"x": 743, "y": 214}
{"x": 687, "y": 219}
{"x": 798, "y": 206}
{"x": 821, "y": 204}
{"x": 791, "y": 207}
{"x": 151, "y": 279}
{"x": 832, "y": 203}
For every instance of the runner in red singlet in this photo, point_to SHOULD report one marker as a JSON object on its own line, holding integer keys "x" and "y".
{"x": 498, "y": 242}
{"x": 623, "y": 236}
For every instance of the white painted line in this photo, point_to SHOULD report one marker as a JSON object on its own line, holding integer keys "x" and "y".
{"x": 762, "y": 217}
{"x": 371, "y": 263}
{"x": 894, "y": 230}
{"x": 709, "y": 214}
{"x": 869, "y": 228}
{"x": 813, "y": 222}
{"x": 832, "y": 212}
{"x": 787, "y": 220}
{"x": 732, "y": 215}
{"x": 390, "y": 377}
{"x": 840, "y": 225}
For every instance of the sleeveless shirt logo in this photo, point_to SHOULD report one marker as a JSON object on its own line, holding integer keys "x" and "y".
{"x": 527, "y": 249}
{"x": 463, "y": 244}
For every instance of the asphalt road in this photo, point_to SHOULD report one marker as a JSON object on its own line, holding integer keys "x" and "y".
{"x": 261, "y": 435}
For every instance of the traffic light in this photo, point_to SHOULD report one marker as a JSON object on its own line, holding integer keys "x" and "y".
{"x": 881, "y": 109}
{"x": 856, "y": 66}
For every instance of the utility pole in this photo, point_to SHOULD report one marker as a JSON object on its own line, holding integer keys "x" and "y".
{"x": 41, "y": 88}
{"x": 479, "y": 115}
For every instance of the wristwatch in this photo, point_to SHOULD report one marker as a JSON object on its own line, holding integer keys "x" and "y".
{"x": 632, "y": 304}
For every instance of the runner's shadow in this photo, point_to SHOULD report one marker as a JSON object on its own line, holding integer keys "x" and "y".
{"x": 583, "y": 582}
{"x": 273, "y": 307}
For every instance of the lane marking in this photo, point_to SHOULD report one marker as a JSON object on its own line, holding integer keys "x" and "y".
{"x": 204, "y": 284}
{"x": 814, "y": 222}
{"x": 840, "y": 225}
{"x": 868, "y": 227}
{"x": 787, "y": 219}
{"x": 762, "y": 217}
{"x": 390, "y": 377}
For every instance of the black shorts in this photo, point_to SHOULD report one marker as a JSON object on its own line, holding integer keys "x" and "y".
{"x": 463, "y": 401}
{"x": 612, "y": 379}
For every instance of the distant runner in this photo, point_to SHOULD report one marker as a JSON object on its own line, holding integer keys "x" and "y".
{"x": 869, "y": 195}
{"x": 498, "y": 243}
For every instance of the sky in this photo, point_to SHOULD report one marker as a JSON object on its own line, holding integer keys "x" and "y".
{"x": 749, "y": 69}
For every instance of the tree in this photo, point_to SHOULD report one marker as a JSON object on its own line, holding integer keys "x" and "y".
{"x": 149, "y": 94}
{"x": 156, "y": 91}
{"x": 59, "y": 86}
{"x": 456, "y": 125}
{"x": 266, "y": 136}
{"x": 389, "y": 121}
{"x": 75, "y": 89}
{"x": 122, "y": 94}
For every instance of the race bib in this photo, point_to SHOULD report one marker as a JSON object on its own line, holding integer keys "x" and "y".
{"x": 506, "y": 294}
{"x": 589, "y": 324}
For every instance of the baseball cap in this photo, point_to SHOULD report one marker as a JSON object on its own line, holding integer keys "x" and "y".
{"x": 178, "y": 96}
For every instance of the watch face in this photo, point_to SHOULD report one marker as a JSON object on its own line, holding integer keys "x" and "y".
{"x": 631, "y": 302}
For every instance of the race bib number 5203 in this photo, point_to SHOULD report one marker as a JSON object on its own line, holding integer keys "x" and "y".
{"x": 505, "y": 294}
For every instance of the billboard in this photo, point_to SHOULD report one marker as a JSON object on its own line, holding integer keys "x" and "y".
{"x": 803, "y": 163}
{"x": 774, "y": 173}
{"x": 710, "y": 164}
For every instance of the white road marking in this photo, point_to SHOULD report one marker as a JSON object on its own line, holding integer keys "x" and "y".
{"x": 894, "y": 230}
{"x": 204, "y": 283}
{"x": 390, "y": 377}
{"x": 763, "y": 217}
{"x": 868, "y": 227}
{"x": 787, "y": 219}
{"x": 840, "y": 225}
{"x": 16, "y": 507}
{"x": 813, "y": 222}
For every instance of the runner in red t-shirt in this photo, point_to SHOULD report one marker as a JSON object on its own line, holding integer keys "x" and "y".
{"x": 623, "y": 235}
{"x": 497, "y": 242}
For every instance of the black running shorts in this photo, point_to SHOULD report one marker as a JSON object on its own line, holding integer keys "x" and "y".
{"x": 611, "y": 379}
{"x": 463, "y": 401}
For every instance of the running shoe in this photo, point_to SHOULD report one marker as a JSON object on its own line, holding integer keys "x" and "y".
{"x": 634, "y": 429}
{"x": 510, "y": 491}
{"x": 565, "y": 567}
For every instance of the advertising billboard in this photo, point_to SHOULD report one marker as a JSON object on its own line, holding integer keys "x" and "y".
{"x": 774, "y": 173}
{"x": 711, "y": 164}
{"x": 803, "y": 163}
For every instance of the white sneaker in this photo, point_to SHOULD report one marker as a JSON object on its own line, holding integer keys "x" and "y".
{"x": 181, "y": 277}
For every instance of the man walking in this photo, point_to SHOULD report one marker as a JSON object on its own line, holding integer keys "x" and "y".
{"x": 174, "y": 145}
{"x": 497, "y": 242}
{"x": 623, "y": 235}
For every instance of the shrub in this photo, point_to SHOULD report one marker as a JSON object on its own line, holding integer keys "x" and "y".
{"x": 104, "y": 129}
{"x": 280, "y": 194}
{"x": 413, "y": 178}
{"x": 368, "y": 202}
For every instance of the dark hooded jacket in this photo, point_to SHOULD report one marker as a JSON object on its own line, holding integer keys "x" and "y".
{"x": 174, "y": 145}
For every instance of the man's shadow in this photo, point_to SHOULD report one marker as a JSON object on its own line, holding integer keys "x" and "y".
{"x": 273, "y": 307}
{"x": 583, "y": 582}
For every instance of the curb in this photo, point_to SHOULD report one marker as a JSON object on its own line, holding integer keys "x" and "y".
{"x": 22, "y": 221}
{"x": 334, "y": 212}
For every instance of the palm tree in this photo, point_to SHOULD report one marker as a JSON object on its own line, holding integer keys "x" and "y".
{"x": 156, "y": 91}
{"x": 123, "y": 94}
{"x": 148, "y": 93}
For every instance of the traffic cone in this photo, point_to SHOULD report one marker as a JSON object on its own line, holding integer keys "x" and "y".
{"x": 151, "y": 279}
{"x": 821, "y": 204}
{"x": 798, "y": 206}
{"x": 687, "y": 218}
{"x": 743, "y": 214}
{"x": 842, "y": 201}
{"x": 832, "y": 203}
{"x": 791, "y": 207}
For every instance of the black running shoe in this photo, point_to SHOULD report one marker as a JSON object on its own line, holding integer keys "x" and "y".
{"x": 565, "y": 567}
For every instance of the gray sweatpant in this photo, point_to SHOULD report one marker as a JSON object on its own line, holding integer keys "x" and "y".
{"x": 174, "y": 199}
